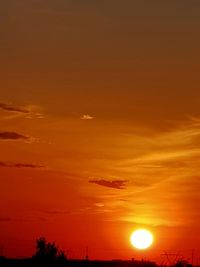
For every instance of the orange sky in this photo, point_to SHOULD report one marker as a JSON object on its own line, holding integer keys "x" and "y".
{"x": 99, "y": 125}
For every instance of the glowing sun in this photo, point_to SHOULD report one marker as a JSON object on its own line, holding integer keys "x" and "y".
{"x": 141, "y": 239}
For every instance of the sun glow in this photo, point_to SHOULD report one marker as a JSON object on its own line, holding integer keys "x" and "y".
{"x": 141, "y": 239}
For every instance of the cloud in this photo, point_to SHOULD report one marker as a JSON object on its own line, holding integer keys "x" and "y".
{"x": 5, "y": 219}
{"x": 19, "y": 165}
{"x": 116, "y": 184}
{"x": 12, "y": 136}
{"x": 86, "y": 117}
{"x": 8, "y": 107}
{"x": 28, "y": 112}
{"x": 18, "y": 219}
{"x": 55, "y": 212}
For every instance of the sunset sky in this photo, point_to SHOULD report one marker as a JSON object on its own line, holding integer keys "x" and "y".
{"x": 100, "y": 125}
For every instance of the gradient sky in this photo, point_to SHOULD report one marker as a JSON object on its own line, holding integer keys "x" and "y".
{"x": 99, "y": 125}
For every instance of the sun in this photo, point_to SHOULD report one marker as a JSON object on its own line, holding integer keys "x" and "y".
{"x": 141, "y": 239}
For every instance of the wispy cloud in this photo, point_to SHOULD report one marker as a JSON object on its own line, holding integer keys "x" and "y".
{"x": 162, "y": 170}
{"x": 19, "y": 165}
{"x": 56, "y": 212}
{"x": 5, "y": 219}
{"x": 12, "y": 108}
{"x": 20, "y": 219}
{"x": 13, "y": 136}
{"x": 87, "y": 117}
{"x": 28, "y": 111}
{"x": 116, "y": 184}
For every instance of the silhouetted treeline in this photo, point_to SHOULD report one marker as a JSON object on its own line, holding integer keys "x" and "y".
{"x": 47, "y": 254}
{"x": 32, "y": 262}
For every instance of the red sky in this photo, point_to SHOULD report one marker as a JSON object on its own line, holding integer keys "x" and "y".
{"x": 99, "y": 126}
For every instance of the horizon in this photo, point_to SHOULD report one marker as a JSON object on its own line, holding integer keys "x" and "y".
{"x": 165, "y": 258}
{"x": 100, "y": 125}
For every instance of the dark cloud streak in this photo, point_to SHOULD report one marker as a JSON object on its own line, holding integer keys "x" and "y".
{"x": 19, "y": 165}
{"x": 116, "y": 184}
{"x": 55, "y": 212}
{"x": 12, "y": 136}
{"x": 13, "y": 108}
{"x": 5, "y": 219}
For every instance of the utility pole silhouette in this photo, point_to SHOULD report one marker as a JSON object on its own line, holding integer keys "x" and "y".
{"x": 172, "y": 258}
{"x": 87, "y": 257}
{"x": 1, "y": 250}
{"x": 193, "y": 251}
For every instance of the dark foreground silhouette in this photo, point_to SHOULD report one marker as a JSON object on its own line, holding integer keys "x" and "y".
{"x": 48, "y": 255}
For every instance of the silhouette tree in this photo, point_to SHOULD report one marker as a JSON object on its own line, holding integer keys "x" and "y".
{"x": 51, "y": 251}
{"x": 41, "y": 248}
{"x": 48, "y": 252}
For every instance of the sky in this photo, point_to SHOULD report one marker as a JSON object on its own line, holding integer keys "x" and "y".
{"x": 100, "y": 126}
